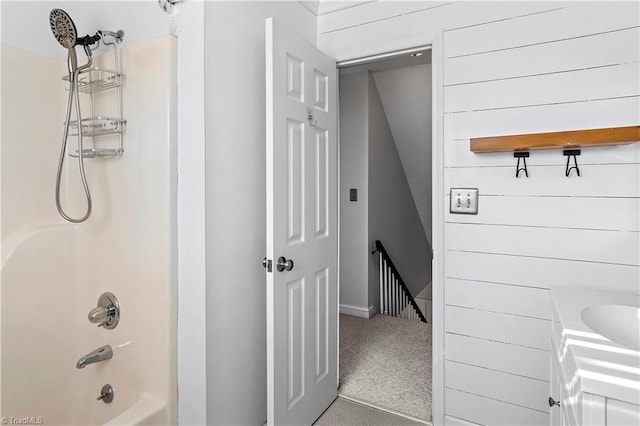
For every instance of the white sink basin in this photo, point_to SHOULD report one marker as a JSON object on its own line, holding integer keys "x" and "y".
{"x": 618, "y": 323}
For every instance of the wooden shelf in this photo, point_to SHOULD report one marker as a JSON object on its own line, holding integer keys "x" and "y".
{"x": 564, "y": 140}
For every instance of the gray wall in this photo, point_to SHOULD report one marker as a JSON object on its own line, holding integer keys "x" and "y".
{"x": 385, "y": 209}
{"x": 235, "y": 203}
{"x": 393, "y": 217}
{"x": 406, "y": 97}
{"x": 354, "y": 174}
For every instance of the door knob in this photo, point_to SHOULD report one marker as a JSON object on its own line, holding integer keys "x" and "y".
{"x": 552, "y": 402}
{"x": 283, "y": 264}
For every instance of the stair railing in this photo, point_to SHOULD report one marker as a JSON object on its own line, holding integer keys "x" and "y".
{"x": 395, "y": 298}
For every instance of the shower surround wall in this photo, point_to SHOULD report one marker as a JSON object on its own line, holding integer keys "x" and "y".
{"x": 512, "y": 68}
{"x": 53, "y": 271}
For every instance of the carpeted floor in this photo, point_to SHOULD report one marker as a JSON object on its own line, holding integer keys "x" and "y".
{"x": 348, "y": 413}
{"x": 386, "y": 361}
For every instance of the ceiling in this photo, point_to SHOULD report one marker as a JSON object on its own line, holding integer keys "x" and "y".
{"x": 389, "y": 63}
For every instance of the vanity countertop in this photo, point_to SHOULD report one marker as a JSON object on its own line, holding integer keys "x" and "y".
{"x": 600, "y": 366}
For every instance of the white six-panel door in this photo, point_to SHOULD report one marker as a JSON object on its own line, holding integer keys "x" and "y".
{"x": 302, "y": 215}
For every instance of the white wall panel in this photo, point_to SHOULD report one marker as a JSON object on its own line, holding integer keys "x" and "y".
{"x": 523, "y": 331}
{"x": 618, "y": 47}
{"x": 362, "y": 30}
{"x": 372, "y": 13}
{"x": 592, "y": 114}
{"x": 586, "y": 18}
{"x": 497, "y": 385}
{"x": 504, "y": 298}
{"x": 539, "y": 272}
{"x": 598, "y": 83}
{"x": 615, "y": 214}
{"x": 454, "y": 421}
{"x": 574, "y": 244}
{"x": 606, "y": 180}
{"x": 490, "y": 411}
{"x": 498, "y": 356}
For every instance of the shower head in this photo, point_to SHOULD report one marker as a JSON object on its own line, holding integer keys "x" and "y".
{"x": 63, "y": 28}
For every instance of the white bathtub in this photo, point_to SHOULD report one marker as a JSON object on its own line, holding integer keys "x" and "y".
{"x": 147, "y": 411}
{"x": 46, "y": 296}
{"x": 53, "y": 272}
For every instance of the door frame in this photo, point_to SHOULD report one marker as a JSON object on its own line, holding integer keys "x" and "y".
{"x": 438, "y": 194}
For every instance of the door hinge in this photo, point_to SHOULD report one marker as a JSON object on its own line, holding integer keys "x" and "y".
{"x": 267, "y": 264}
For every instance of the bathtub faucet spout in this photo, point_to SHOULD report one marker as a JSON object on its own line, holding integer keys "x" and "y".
{"x": 101, "y": 354}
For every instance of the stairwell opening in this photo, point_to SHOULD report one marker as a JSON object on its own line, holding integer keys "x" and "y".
{"x": 385, "y": 196}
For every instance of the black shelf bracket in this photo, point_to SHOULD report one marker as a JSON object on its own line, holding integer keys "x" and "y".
{"x": 521, "y": 155}
{"x": 571, "y": 153}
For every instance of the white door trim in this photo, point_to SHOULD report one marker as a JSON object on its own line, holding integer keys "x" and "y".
{"x": 437, "y": 225}
{"x": 191, "y": 262}
{"x": 438, "y": 203}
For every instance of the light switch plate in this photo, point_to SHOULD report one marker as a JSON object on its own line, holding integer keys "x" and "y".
{"x": 463, "y": 201}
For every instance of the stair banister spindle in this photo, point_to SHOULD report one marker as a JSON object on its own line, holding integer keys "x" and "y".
{"x": 384, "y": 285}
{"x": 386, "y": 281}
{"x": 407, "y": 308}
{"x": 381, "y": 284}
{"x": 386, "y": 288}
{"x": 399, "y": 299}
{"x": 393, "y": 294}
{"x": 395, "y": 298}
{"x": 406, "y": 305}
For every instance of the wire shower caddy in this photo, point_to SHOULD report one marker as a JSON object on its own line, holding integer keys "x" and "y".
{"x": 106, "y": 128}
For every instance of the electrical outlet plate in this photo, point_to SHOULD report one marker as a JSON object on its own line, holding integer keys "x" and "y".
{"x": 463, "y": 201}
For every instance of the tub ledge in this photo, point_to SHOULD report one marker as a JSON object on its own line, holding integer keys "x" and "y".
{"x": 148, "y": 410}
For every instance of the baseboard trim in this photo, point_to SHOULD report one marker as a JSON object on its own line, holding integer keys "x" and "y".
{"x": 358, "y": 311}
{"x": 378, "y": 407}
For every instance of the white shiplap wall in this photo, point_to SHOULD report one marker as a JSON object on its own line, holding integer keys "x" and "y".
{"x": 511, "y": 68}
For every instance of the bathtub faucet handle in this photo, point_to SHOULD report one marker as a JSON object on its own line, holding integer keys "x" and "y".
{"x": 101, "y": 314}
{"x": 106, "y": 394}
{"x": 107, "y": 313}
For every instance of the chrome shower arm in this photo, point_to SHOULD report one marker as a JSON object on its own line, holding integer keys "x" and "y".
{"x": 117, "y": 36}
